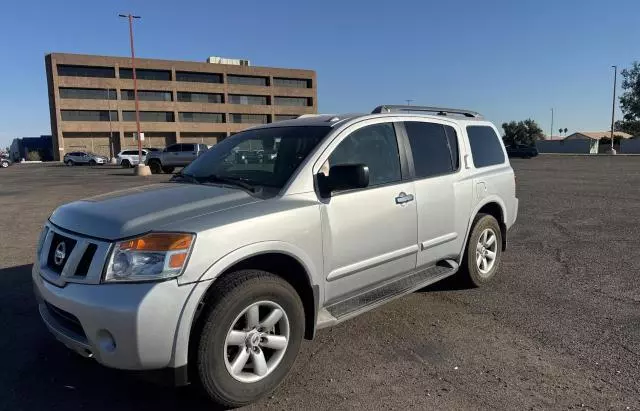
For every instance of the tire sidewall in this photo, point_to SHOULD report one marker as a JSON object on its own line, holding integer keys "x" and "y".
{"x": 125, "y": 164}
{"x": 212, "y": 370}
{"x": 155, "y": 167}
{"x": 482, "y": 223}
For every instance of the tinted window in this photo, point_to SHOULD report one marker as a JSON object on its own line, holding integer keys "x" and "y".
{"x": 485, "y": 146}
{"x": 147, "y": 95}
{"x": 152, "y": 116}
{"x": 146, "y": 74}
{"x": 198, "y": 77}
{"x": 129, "y": 153}
{"x": 293, "y": 101}
{"x": 88, "y": 93}
{"x": 200, "y": 97}
{"x": 374, "y": 146}
{"x": 249, "y": 118}
{"x": 188, "y": 147}
{"x": 291, "y": 82}
{"x": 432, "y": 154}
{"x": 174, "y": 147}
{"x": 247, "y": 80}
{"x": 88, "y": 115}
{"x": 86, "y": 71}
{"x": 201, "y": 117}
{"x": 240, "y": 99}
{"x": 452, "y": 138}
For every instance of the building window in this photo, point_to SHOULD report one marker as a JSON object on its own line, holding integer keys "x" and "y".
{"x": 88, "y": 115}
{"x": 291, "y": 82}
{"x": 294, "y": 101}
{"x": 249, "y": 118}
{"x": 88, "y": 93}
{"x": 188, "y": 97}
{"x": 149, "y": 116}
{"x": 253, "y": 100}
{"x": 86, "y": 71}
{"x": 148, "y": 95}
{"x": 198, "y": 77}
{"x": 247, "y": 80}
{"x": 282, "y": 117}
{"x": 146, "y": 74}
{"x": 188, "y": 117}
{"x": 486, "y": 149}
{"x": 202, "y": 138}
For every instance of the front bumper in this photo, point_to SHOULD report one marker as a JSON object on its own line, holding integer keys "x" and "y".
{"x": 127, "y": 326}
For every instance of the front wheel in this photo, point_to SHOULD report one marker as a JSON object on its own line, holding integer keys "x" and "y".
{"x": 4, "y": 164}
{"x": 125, "y": 164}
{"x": 92, "y": 163}
{"x": 250, "y": 337}
{"x": 483, "y": 253}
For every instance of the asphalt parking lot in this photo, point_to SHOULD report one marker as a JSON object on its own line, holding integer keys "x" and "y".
{"x": 559, "y": 329}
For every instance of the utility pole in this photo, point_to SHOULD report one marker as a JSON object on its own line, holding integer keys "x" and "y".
{"x": 135, "y": 82}
{"x": 551, "y": 134}
{"x": 409, "y": 102}
{"x": 111, "y": 148}
{"x": 613, "y": 105}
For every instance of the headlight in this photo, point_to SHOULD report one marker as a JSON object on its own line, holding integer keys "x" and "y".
{"x": 154, "y": 256}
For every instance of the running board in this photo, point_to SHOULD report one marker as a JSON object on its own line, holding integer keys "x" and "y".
{"x": 364, "y": 301}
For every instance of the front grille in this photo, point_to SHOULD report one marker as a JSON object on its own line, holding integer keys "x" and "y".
{"x": 66, "y": 320}
{"x": 56, "y": 264}
{"x": 85, "y": 261}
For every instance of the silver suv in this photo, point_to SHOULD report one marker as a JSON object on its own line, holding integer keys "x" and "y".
{"x": 226, "y": 268}
{"x": 83, "y": 157}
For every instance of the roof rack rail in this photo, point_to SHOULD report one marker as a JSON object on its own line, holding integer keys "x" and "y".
{"x": 441, "y": 111}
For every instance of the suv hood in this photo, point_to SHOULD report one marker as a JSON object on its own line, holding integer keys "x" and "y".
{"x": 138, "y": 210}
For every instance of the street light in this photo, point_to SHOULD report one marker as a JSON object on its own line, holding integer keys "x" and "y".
{"x": 135, "y": 82}
{"x": 613, "y": 104}
{"x": 551, "y": 131}
{"x": 409, "y": 102}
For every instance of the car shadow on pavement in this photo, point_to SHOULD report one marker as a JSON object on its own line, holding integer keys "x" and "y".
{"x": 39, "y": 373}
{"x": 452, "y": 283}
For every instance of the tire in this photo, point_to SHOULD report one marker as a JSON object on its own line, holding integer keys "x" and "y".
{"x": 232, "y": 296}
{"x": 70, "y": 163}
{"x": 167, "y": 170}
{"x": 471, "y": 272}
{"x": 92, "y": 163}
{"x": 155, "y": 167}
{"x": 4, "y": 164}
{"x": 125, "y": 163}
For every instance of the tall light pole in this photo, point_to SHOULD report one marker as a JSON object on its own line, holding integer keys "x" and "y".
{"x": 551, "y": 134}
{"x": 409, "y": 102}
{"x": 135, "y": 82}
{"x": 613, "y": 104}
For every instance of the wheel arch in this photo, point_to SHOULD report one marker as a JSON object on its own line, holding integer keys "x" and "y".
{"x": 494, "y": 206}
{"x": 280, "y": 260}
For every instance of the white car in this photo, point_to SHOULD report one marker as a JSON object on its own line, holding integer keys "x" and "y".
{"x": 129, "y": 158}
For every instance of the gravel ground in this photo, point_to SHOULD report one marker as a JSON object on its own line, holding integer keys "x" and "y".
{"x": 559, "y": 329}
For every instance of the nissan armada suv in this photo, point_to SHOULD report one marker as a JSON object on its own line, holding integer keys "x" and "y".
{"x": 218, "y": 274}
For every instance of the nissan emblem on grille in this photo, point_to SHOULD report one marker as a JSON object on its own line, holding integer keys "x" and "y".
{"x": 60, "y": 253}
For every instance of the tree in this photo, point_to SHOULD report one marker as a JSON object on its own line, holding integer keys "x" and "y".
{"x": 33, "y": 156}
{"x": 630, "y": 101}
{"x": 524, "y": 132}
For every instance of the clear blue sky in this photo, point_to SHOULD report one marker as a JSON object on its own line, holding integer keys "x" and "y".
{"x": 507, "y": 59}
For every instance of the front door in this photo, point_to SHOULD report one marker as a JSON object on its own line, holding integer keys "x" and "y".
{"x": 369, "y": 235}
{"x": 187, "y": 154}
{"x": 443, "y": 198}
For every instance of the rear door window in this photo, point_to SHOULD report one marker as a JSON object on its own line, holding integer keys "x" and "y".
{"x": 173, "y": 148}
{"x": 434, "y": 148}
{"x": 485, "y": 146}
{"x": 188, "y": 147}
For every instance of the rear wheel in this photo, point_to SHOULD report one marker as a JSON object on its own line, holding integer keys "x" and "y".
{"x": 167, "y": 170}
{"x": 4, "y": 164}
{"x": 482, "y": 256}
{"x": 92, "y": 163}
{"x": 69, "y": 163}
{"x": 250, "y": 337}
{"x": 155, "y": 167}
{"x": 125, "y": 163}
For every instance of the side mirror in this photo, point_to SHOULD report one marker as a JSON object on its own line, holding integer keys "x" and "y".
{"x": 344, "y": 177}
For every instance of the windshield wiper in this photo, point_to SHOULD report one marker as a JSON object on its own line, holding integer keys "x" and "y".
{"x": 229, "y": 180}
{"x": 185, "y": 177}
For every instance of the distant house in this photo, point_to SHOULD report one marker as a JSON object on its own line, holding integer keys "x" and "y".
{"x": 596, "y": 135}
{"x": 20, "y": 147}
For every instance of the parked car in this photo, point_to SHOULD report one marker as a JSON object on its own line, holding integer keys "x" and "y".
{"x": 218, "y": 274}
{"x": 129, "y": 158}
{"x": 520, "y": 150}
{"x": 83, "y": 157}
{"x": 5, "y": 162}
{"x": 175, "y": 155}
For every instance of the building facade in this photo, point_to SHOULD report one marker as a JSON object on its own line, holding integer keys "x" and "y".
{"x": 92, "y": 105}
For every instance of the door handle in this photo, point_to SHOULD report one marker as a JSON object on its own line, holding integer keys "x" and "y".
{"x": 404, "y": 198}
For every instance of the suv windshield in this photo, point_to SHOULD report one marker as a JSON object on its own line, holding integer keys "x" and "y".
{"x": 260, "y": 157}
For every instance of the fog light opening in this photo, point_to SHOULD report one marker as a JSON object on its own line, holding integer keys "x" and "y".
{"x": 106, "y": 342}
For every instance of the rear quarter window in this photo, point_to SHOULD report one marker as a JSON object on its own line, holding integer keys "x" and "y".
{"x": 486, "y": 149}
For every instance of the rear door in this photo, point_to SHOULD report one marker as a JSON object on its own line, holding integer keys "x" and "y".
{"x": 188, "y": 153}
{"x": 171, "y": 157}
{"x": 443, "y": 197}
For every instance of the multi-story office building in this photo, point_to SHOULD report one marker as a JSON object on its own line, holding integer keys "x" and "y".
{"x": 92, "y": 106}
